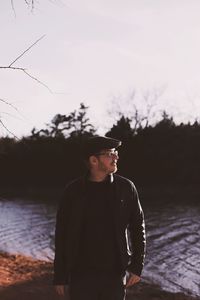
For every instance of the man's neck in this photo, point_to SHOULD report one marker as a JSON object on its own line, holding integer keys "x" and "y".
{"x": 98, "y": 177}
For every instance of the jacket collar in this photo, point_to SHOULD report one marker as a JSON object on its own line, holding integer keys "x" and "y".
{"x": 110, "y": 178}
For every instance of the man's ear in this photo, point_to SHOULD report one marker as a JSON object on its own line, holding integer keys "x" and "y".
{"x": 93, "y": 160}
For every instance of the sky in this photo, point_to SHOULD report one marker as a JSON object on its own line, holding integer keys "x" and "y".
{"x": 112, "y": 55}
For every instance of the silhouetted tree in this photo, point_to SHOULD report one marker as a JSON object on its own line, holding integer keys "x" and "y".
{"x": 80, "y": 122}
{"x": 76, "y": 124}
{"x": 162, "y": 154}
{"x": 166, "y": 123}
{"x": 141, "y": 108}
{"x": 122, "y": 130}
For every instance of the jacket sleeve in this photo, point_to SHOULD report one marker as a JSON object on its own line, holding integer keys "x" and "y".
{"x": 60, "y": 264}
{"x": 136, "y": 235}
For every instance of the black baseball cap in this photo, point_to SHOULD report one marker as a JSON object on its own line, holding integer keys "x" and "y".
{"x": 97, "y": 143}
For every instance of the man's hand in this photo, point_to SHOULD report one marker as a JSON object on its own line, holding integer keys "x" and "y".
{"x": 132, "y": 279}
{"x": 60, "y": 290}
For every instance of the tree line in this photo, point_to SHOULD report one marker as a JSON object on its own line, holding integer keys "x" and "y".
{"x": 164, "y": 153}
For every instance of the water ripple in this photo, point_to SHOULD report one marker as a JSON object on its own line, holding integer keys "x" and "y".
{"x": 173, "y": 240}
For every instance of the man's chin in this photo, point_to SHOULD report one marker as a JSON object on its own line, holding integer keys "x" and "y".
{"x": 114, "y": 169}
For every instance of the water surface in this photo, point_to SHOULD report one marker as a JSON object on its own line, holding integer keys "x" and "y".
{"x": 173, "y": 239}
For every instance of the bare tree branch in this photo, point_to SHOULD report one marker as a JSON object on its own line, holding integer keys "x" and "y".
{"x": 32, "y": 5}
{"x": 14, "y": 107}
{"x": 13, "y": 8}
{"x": 4, "y": 126}
{"x": 11, "y": 115}
{"x": 40, "y": 82}
{"x": 28, "y": 74}
{"x": 10, "y": 66}
{"x": 10, "y": 104}
{"x": 12, "y": 63}
{"x": 29, "y": 3}
{"x": 140, "y": 108}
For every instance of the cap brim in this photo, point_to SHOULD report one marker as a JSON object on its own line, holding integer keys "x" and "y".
{"x": 98, "y": 143}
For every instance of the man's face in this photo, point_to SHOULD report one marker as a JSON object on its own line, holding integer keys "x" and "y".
{"x": 107, "y": 160}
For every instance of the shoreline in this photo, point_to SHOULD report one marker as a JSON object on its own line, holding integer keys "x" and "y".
{"x": 26, "y": 278}
{"x": 148, "y": 193}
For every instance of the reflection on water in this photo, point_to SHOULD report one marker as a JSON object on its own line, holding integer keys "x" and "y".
{"x": 27, "y": 227}
{"x": 173, "y": 251}
{"x": 173, "y": 240}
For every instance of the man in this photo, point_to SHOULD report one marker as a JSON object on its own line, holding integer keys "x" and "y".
{"x": 100, "y": 233}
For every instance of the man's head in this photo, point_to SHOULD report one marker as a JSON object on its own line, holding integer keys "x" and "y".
{"x": 101, "y": 155}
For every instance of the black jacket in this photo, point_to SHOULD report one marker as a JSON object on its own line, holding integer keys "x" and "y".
{"x": 128, "y": 222}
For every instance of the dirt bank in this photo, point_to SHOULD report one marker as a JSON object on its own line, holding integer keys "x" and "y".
{"x": 23, "y": 278}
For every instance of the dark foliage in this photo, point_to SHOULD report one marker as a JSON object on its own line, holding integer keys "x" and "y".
{"x": 163, "y": 154}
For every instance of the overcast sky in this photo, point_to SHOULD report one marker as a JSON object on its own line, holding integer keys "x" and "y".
{"x": 95, "y": 51}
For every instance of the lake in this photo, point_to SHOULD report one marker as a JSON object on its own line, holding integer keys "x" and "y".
{"x": 173, "y": 239}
